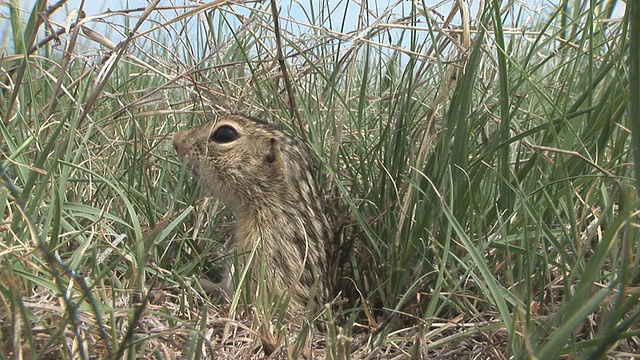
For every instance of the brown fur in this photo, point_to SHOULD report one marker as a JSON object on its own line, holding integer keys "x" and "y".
{"x": 265, "y": 177}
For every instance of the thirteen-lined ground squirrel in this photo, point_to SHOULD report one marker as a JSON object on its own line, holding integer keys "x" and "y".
{"x": 265, "y": 177}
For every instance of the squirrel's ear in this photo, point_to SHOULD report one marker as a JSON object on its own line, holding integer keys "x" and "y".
{"x": 272, "y": 152}
{"x": 266, "y": 117}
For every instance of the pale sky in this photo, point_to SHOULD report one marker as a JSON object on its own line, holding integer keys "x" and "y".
{"x": 297, "y": 10}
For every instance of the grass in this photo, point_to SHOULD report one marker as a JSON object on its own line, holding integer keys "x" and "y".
{"x": 478, "y": 163}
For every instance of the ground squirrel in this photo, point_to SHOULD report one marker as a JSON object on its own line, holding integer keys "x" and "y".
{"x": 266, "y": 179}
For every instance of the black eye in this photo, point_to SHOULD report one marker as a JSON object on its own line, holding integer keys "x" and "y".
{"x": 224, "y": 134}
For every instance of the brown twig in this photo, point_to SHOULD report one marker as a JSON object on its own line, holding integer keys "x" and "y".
{"x": 22, "y": 68}
{"x": 110, "y": 61}
{"x": 293, "y": 108}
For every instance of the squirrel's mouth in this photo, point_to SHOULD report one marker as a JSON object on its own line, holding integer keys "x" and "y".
{"x": 178, "y": 145}
{"x": 192, "y": 165}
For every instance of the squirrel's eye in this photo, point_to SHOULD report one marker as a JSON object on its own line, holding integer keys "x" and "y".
{"x": 224, "y": 134}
